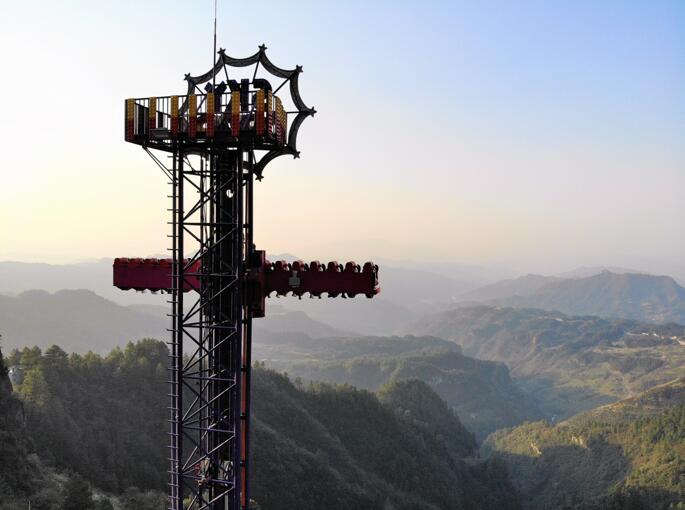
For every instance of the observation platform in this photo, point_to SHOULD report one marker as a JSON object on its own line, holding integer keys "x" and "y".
{"x": 239, "y": 118}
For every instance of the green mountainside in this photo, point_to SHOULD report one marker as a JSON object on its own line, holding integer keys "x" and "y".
{"x": 24, "y": 476}
{"x": 481, "y": 392}
{"x": 650, "y": 403}
{"x": 90, "y": 431}
{"x": 97, "y": 415}
{"x": 337, "y": 447}
{"x": 100, "y": 422}
{"x": 570, "y": 364}
{"x": 414, "y": 401}
{"x": 630, "y": 454}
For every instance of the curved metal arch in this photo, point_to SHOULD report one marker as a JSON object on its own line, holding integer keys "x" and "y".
{"x": 240, "y": 62}
{"x": 270, "y": 156}
{"x": 295, "y": 91}
{"x": 290, "y": 75}
{"x": 223, "y": 60}
{"x": 295, "y": 128}
{"x": 273, "y": 69}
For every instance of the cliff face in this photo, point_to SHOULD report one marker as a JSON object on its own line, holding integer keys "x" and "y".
{"x": 5, "y": 384}
{"x": 14, "y": 472}
{"x": 11, "y": 408}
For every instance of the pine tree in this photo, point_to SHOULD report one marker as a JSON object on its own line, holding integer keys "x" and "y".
{"x": 79, "y": 495}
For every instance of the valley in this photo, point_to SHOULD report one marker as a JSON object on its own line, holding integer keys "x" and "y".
{"x": 487, "y": 389}
{"x": 570, "y": 364}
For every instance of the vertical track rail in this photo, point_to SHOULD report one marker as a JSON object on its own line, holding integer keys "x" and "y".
{"x": 178, "y": 270}
{"x": 248, "y": 224}
{"x": 176, "y": 354}
{"x": 237, "y": 306}
{"x": 211, "y": 331}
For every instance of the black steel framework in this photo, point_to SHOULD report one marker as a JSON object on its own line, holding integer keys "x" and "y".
{"x": 212, "y": 222}
{"x": 211, "y": 421}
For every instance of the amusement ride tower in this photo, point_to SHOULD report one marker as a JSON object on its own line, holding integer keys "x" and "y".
{"x": 218, "y": 139}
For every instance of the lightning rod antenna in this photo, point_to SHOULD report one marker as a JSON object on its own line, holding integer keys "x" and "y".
{"x": 214, "y": 50}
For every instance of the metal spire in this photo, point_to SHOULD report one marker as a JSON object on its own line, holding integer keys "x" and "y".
{"x": 214, "y": 50}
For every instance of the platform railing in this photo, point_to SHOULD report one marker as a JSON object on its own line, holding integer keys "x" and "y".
{"x": 201, "y": 116}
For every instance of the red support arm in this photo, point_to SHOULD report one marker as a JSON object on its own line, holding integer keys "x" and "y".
{"x": 149, "y": 274}
{"x": 262, "y": 279}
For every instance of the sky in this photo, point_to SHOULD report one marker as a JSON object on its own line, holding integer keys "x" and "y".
{"x": 539, "y": 136}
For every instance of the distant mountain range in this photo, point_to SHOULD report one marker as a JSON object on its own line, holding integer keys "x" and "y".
{"x": 521, "y": 286}
{"x": 96, "y": 276}
{"x": 630, "y": 454}
{"x": 79, "y": 320}
{"x": 569, "y": 363}
{"x": 586, "y": 271}
{"x": 642, "y": 297}
{"x": 406, "y": 292}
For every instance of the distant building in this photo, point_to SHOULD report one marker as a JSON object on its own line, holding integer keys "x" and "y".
{"x": 16, "y": 375}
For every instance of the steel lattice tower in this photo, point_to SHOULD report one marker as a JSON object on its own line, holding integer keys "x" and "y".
{"x": 219, "y": 141}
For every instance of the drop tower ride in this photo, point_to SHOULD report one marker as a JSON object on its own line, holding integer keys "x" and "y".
{"x": 213, "y": 143}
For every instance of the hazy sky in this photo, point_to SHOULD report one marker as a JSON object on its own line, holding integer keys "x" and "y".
{"x": 540, "y": 135}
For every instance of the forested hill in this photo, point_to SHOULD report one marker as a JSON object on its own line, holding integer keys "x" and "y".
{"x": 315, "y": 446}
{"x": 628, "y": 455}
{"x": 570, "y": 363}
{"x": 413, "y": 400}
{"x": 650, "y": 403}
{"x": 23, "y": 475}
{"x": 337, "y": 447}
{"x": 481, "y": 392}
